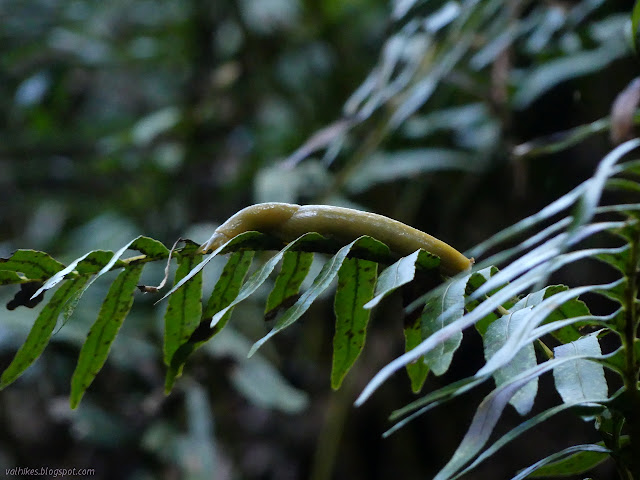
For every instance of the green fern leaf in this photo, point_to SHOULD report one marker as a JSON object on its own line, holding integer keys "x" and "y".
{"x": 419, "y": 369}
{"x": 227, "y": 288}
{"x": 224, "y": 292}
{"x": 105, "y": 261}
{"x": 152, "y": 249}
{"x": 321, "y": 283}
{"x": 402, "y": 272}
{"x": 184, "y": 308}
{"x": 494, "y": 338}
{"x": 261, "y": 275}
{"x": 295, "y": 268}
{"x": 568, "y": 462}
{"x": 356, "y": 284}
{"x": 94, "y": 352}
{"x": 233, "y": 296}
{"x": 572, "y": 308}
{"x": 95, "y": 261}
{"x": 36, "y": 266}
{"x": 476, "y": 280}
{"x": 581, "y": 380}
{"x": 40, "y": 333}
{"x": 91, "y": 264}
{"x": 635, "y": 22}
{"x": 618, "y": 259}
{"x": 432, "y": 320}
{"x": 575, "y": 464}
{"x": 8, "y": 277}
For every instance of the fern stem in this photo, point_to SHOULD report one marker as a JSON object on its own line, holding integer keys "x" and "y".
{"x": 331, "y": 434}
{"x": 560, "y": 141}
{"x": 632, "y": 401}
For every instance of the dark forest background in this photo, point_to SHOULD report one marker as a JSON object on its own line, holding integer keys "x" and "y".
{"x": 163, "y": 118}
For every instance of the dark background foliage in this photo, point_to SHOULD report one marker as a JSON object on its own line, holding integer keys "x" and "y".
{"x": 165, "y": 117}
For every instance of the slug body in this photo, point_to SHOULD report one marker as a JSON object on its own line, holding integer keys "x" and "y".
{"x": 289, "y": 221}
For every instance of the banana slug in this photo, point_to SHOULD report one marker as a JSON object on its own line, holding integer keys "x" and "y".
{"x": 289, "y": 221}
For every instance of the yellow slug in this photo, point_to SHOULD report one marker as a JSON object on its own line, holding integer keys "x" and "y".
{"x": 289, "y": 221}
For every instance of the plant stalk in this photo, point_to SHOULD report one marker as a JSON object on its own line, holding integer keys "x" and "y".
{"x": 632, "y": 401}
